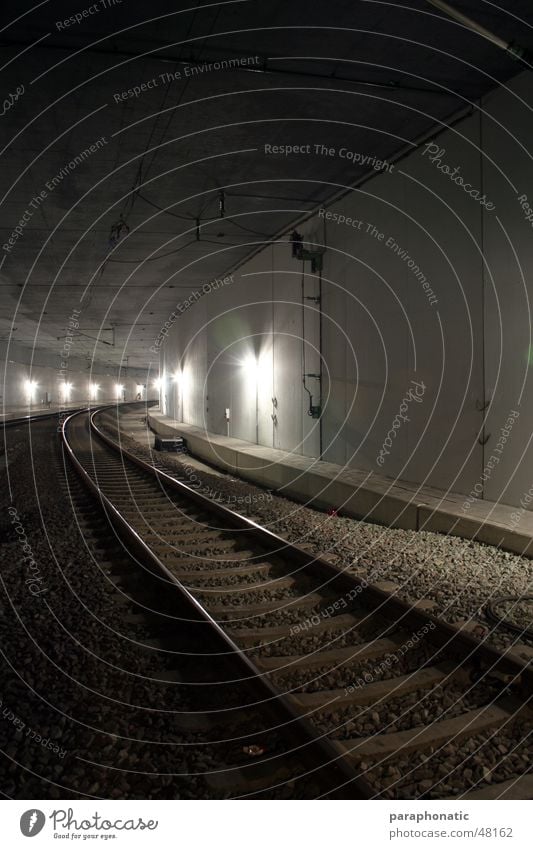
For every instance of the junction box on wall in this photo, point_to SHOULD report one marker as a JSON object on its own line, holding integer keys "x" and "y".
{"x": 299, "y": 252}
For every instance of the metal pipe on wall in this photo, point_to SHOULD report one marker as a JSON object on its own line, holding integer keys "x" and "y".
{"x": 517, "y": 52}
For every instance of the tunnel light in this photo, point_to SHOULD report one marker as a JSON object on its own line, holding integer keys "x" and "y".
{"x": 119, "y": 389}
{"x": 250, "y": 375}
{"x": 29, "y": 388}
{"x": 257, "y": 369}
{"x": 250, "y": 366}
{"x": 180, "y": 378}
{"x": 158, "y": 382}
{"x": 183, "y": 381}
{"x": 65, "y": 389}
{"x": 93, "y": 391}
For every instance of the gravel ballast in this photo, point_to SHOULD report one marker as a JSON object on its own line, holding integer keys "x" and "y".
{"x": 87, "y": 710}
{"x": 459, "y": 576}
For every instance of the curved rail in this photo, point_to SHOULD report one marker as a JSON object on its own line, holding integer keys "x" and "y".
{"x": 444, "y": 641}
{"x": 491, "y": 611}
{"x": 323, "y": 753}
{"x": 37, "y": 417}
{"x": 446, "y": 636}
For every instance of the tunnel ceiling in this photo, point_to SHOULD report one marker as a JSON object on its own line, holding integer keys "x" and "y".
{"x": 366, "y": 75}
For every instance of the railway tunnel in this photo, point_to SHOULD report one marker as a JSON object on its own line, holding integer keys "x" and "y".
{"x": 266, "y": 403}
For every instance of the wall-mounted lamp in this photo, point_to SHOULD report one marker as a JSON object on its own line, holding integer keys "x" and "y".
{"x": 65, "y": 389}
{"x": 29, "y": 388}
{"x": 250, "y": 366}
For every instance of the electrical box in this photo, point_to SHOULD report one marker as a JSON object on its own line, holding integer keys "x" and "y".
{"x": 176, "y": 444}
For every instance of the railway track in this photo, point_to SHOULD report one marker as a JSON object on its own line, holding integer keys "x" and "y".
{"x": 29, "y": 418}
{"x": 132, "y": 688}
{"x": 387, "y": 699}
{"x": 213, "y": 742}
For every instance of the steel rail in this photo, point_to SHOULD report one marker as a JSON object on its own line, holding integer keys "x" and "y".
{"x": 29, "y": 418}
{"x": 492, "y": 613}
{"x": 456, "y": 641}
{"x": 323, "y": 753}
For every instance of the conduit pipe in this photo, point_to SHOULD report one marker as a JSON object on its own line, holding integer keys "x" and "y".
{"x": 516, "y": 51}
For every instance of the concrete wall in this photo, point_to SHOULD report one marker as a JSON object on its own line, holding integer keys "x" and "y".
{"x": 424, "y": 344}
{"x": 22, "y": 366}
{"x": 508, "y": 247}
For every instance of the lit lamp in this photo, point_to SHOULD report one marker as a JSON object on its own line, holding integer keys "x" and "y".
{"x": 159, "y": 384}
{"x": 30, "y": 386}
{"x": 250, "y": 367}
{"x": 66, "y": 389}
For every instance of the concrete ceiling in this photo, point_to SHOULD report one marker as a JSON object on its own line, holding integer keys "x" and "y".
{"x": 368, "y": 75}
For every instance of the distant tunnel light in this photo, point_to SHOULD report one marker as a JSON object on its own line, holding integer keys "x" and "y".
{"x": 181, "y": 379}
{"x": 29, "y": 388}
{"x": 93, "y": 391}
{"x": 158, "y": 382}
{"x": 65, "y": 389}
{"x": 119, "y": 389}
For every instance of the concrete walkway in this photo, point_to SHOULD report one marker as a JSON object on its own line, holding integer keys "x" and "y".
{"x": 363, "y": 495}
{"x": 133, "y": 424}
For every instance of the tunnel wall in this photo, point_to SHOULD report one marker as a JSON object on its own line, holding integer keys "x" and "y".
{"x": 425, "y": 344}
{"x": 22, "y": 365}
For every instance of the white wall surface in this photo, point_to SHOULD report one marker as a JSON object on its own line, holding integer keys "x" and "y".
{"x": 22, "y": 365}
{"x": 453, "y": 315}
